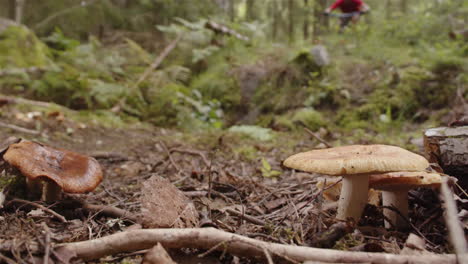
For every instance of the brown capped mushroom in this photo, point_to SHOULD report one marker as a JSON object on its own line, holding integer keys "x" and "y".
{"x": 356, "y": 163}
{"x": 395, "y": 187}
{"x": 56, "y": 169}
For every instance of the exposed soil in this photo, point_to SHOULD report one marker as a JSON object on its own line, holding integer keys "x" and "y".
{"x": 228, "y": 191}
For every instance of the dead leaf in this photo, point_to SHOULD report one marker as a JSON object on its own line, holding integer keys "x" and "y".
{"x": 163, "y": 205}
{"x": 157, "y": 255}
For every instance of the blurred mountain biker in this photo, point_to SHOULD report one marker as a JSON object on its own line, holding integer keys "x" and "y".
{"x": 353, "y": 8}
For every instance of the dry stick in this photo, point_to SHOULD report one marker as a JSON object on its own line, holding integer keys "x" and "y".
{"x": 110, "y": 211}
{"x": 14, "y": 100}
{"x": 46, "y": 242}
{"x": 43, "y": 208}
{"x": 151, "y": 68}
{"x": 170, "y": 156}
{"x": 193, "y": 152}
{"x": 15, "y": 71}
{"x": 315, "y": 136}
{"x": 456, "y": 233}
{"x": 20, "y": 129}
{"x": 7, "y": 259}
{"x": 61, "y": 13}
{"x": 206, "y": 238}
{"x": 246, "y": 217}
{"x": 158, "y": 61}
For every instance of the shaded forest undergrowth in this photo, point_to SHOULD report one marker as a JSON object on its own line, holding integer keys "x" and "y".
{"x": 236, "y": 184}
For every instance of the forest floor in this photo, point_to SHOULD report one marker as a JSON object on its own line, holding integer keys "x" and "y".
{"x": 236, "y": 184}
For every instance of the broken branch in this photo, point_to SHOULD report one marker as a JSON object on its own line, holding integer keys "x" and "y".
{"x": 206, "y": 238}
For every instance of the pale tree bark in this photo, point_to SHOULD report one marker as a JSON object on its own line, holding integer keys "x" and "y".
{"x": 19, "y": 7}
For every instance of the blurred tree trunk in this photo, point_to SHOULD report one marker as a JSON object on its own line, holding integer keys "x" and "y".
{"x": 232, "y": 10}
{"x": 305, "y": 29}
{"x": 388, "y": 7}
{"x": 250, "y": 10}
{"x": 11, "y": 9}
{"x": 404, "y": 6}
{"x": 19, "y": 7}
{"x": 320, "y": 21}
{"x": 291, "y": 20}
{"x": 276, "y": 18}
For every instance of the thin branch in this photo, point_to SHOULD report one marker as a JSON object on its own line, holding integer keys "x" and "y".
{"x": 44, "y": 22}
{"x": 206, "y": 238}
{"x": 19, "y": 129}
{"x": 61, "y": 218}
{"x": 246, "y": 217}
{"x": 158, "y": 61}
{"x": 456, "y": 233}
{"x": 310, "y": 132}
{"x": 110, "y": 211}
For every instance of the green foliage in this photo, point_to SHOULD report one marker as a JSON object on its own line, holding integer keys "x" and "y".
{"x": 20, "y": 48}
{"x": 254, "y": 132}
{"x": 267, "y": 171}
{"x": 58, "y": 41}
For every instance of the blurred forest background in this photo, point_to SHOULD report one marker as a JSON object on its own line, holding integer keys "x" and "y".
{"x": 402, "y": 68}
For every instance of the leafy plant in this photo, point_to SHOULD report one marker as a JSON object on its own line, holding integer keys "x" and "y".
{"x": 267, "y": 171}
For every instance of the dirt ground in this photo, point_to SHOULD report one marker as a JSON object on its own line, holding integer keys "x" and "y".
{"x": 228, "y": 191}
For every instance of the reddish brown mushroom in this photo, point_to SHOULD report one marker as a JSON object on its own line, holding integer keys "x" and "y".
{"x": 56, "y": 169}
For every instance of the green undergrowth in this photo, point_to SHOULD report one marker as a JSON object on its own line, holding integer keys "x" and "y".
{"x": 381, "y": 85}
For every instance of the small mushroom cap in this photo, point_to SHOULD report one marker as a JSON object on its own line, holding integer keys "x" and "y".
{"x": 357, "y": 159}
{"x": 404, "y": 179}
{"x": 73, "y": 172}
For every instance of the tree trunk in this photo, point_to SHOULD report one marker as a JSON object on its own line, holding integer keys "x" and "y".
{"x": 232, "y": 10}
{"x": 19, "y": 6}
{"x": 11, "y": 9}
{"x": 276, "y": 14}
{"x": 305, "y": 28}
{"x": 448, "y": 147}
{"x": 388, "y": 7}
{"x": 404, "y": 6}
{"x": 291, "y": 20}
{"x": 250, "y": 10}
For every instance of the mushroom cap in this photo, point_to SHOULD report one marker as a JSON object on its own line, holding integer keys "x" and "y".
{"x": 404, "y": 179}
{"x": 73, "y": 172}
{"x": 357, "y": 159}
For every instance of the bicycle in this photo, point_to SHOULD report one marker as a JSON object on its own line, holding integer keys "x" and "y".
{"x": 345, "y": 18}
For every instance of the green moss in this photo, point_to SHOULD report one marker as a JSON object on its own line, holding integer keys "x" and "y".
{"x": 20, "y": 48}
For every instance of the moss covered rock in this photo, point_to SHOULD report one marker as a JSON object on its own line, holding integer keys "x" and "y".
{"x": 20, "y": 48}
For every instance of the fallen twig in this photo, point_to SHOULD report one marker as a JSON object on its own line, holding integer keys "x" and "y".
{"x": 15, "y": 100}
{"x": 456, "y": 233}
{"x": 110, "y": 211}
{"x": 206, "y": 238}
{"x": 148, "y": 70}
{"x": 43, "y": 208}
{"x": 20, "y": 129}
{"x": 246, "y": 217}
{"x": 193, "y": 152}
{"x": 46, "y": 243}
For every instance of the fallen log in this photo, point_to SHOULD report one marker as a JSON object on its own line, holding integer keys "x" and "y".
{"x": 448, "y": 147}
{"x": 209, "y": 238}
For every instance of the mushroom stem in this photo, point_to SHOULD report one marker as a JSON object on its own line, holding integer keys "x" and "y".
{"x": 399, "y": 200}
{"x": 51, "y": 191}
{"x": 34, "y": 188}
{"x": 353, "y": 196}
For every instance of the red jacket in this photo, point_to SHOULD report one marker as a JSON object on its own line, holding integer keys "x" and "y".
{"x": 348, "y": 6}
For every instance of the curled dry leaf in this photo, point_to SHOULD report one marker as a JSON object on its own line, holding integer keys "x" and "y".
{"x": 163, "y": 205}
{"x": 157, "y": 255}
